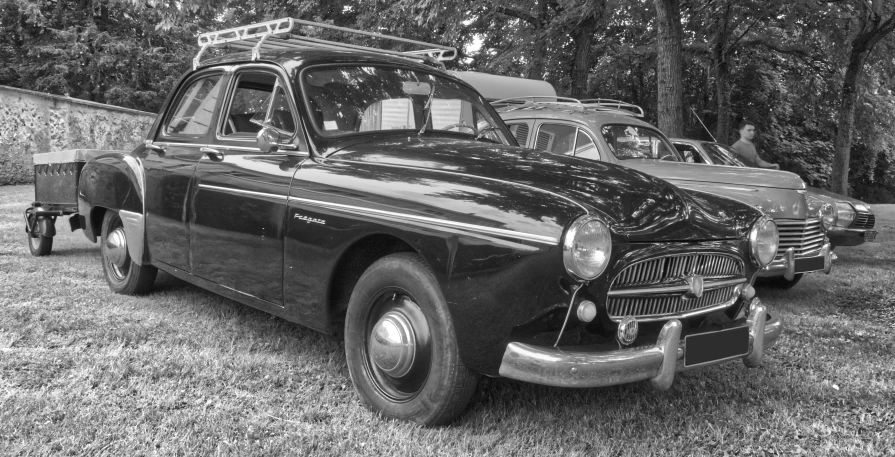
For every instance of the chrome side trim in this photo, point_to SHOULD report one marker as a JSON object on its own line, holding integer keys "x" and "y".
{"x": 709, "y": 285}
{"x": 133, "y": 229}
{"x": 243, "y": 192}
{"x": 389, "y": 215}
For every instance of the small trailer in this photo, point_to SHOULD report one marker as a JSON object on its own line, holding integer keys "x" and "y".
{"x": 56, "y": 176}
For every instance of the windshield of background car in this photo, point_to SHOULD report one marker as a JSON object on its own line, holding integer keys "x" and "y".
{"x": 359, "y": 99}
{"x": 722, "y": 155}
{"x": 638, "y": 142}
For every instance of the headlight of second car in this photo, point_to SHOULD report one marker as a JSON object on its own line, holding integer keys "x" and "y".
{"x": 763, "y": 241}
{"x": 587, "y": 247}
{"x": 845, "y": 214}
{"x": 827, "y": 216}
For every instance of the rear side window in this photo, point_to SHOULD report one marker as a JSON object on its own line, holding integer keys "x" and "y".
{"x": 689, "y": 153}
{"x": 195, "y": 108}
{"x": 556, "y": 138}
{"x": 638, "y": 142}
{"x": 520, "y": 131}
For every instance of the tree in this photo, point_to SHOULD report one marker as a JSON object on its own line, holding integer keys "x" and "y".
{"x": 871, "y": 21}
{"x": 670, "y": 86}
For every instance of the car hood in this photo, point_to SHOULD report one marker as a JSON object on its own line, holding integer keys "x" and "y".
{"x": 637, "y": 206}
{"x": 717, "y": 174}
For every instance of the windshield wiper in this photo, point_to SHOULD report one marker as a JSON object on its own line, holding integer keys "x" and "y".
{"x": 428, "y": 109}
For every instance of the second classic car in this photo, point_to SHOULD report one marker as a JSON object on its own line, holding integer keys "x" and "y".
{"x": 328, "y": 186}
{"x": 610, "y": 131}
{"x": 854, "y": 218}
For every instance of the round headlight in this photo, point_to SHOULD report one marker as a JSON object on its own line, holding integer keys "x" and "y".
{"x": 827, "y": 216}
{"x": 764, "y": 240}
{"x": 845, "y": 214}
{"x": 586, "y": 248}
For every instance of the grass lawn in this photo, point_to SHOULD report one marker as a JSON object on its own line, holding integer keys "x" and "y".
{"x": 184, "y": 372}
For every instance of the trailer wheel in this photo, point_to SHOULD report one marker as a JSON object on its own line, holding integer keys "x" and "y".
{"x": 40, "y": 245}
{"x": 122, "y": 274}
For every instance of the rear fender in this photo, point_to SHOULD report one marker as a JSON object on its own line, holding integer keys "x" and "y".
{"x": 116, "y": 182}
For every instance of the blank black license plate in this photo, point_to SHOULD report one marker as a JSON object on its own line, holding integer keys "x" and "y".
{"x": 869, "y": 235}
{"x": 711, "y": 346}
{"x": 810, "y": 264}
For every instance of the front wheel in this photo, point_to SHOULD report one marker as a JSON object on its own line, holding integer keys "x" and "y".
{"x": 122, "y": 274}
{"x": 401, "y": 347}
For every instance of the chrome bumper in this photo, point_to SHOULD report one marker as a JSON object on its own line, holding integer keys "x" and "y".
{"x": 658, "y": 363}
{"x": 786, "y": 266}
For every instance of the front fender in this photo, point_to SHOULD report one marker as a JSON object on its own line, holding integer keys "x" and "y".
{"x": 112, "y": 181}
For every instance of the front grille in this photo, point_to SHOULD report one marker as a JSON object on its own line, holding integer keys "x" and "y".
{"x": 658, "y": 306}
{"x": 864, "y": 221}
{"x": 642, "y": 290}
{"x": 803, "y": 236}
{"x": 672, "y": 267}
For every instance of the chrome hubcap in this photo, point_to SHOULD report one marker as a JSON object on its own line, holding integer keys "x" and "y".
{"x": 116, "y": 248}
{"x": 393, "y": 344}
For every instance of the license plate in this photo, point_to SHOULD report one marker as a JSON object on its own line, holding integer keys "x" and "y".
{"x": 869, "y": 235}
{"x": 712, "y": 346}
{"x": 809, "y": 264}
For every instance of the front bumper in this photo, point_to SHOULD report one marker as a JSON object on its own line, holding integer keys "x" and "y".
{"x": 790, "y": 265}
{"x": 658, "y": 363}
{"x": 850, "y": 237}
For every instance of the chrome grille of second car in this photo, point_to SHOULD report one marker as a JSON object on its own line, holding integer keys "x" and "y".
{"x": 654, "y": 289}
{"x": 864, "y": 221}
{"x": 804, "y": 236}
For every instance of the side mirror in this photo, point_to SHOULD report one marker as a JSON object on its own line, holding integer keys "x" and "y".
{"x": 268, "y": 140}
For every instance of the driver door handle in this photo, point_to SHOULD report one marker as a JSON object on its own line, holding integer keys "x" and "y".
{"x": 212, "y": 153}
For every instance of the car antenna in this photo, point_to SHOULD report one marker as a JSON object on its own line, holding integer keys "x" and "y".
{"x": 703, "y": 125}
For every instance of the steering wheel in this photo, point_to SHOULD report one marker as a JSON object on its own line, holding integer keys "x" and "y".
{"x": 460, "y": 125}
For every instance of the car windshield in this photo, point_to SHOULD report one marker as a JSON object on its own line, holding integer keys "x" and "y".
{"x": 356, "y": 99}
{"x": 637, "y": 142}
{"x": 722, "y": 154}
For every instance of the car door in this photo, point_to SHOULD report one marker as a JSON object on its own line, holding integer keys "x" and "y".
{"x": 240, "y": 203}
{"x": 170, "y": 163}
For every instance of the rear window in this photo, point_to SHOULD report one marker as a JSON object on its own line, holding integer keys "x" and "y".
{"x": 637, "y": 142}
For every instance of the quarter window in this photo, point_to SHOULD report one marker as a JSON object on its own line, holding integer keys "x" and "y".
{"x": 195, "y": 108}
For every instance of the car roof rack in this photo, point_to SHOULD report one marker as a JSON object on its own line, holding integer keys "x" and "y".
{"x": 288, "y": 33}
{"x": 595, "y": 104}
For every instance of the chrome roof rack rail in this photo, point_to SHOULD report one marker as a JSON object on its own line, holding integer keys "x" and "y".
{"x": 528, "y": 101}
{"x": 605, "y": 104}
{"x": 286, "y": 34}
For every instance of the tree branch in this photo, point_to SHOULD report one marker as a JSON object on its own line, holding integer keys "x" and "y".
{"x": 522, "y": 16}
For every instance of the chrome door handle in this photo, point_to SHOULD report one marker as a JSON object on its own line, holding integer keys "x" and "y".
{"x": 160, "y": 151}
{"x": 212, "y": 153}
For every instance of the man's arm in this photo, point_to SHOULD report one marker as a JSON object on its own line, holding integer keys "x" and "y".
{"x": 762, "y": 164}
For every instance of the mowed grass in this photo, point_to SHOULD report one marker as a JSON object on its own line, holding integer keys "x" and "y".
{"x": 181, "y": 371}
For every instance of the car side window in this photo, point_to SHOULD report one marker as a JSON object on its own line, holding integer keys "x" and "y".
{"x": 195, "y": 108}
{"x": 585, "y": 147}
{"x": 556, "y": 138}
{"x": 249, "y": 102}
{"x": 520, "y": 131}
{"x": 689, "y": 153}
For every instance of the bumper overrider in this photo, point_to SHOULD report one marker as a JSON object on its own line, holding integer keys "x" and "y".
{"x": 658, "y": 363}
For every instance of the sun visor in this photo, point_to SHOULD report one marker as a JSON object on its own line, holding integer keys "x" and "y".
{"x": 494, "y": 87}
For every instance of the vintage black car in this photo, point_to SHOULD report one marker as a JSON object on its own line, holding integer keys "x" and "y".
{"x": 325, "y": 186}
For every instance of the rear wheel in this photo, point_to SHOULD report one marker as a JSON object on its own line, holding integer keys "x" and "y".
{"x": 779, "y": 282}
{"x": 122, "y": 274}
{"x": 400, "y": 344}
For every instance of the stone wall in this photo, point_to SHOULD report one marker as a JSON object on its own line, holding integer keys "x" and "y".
{"x": 33, "y": 122}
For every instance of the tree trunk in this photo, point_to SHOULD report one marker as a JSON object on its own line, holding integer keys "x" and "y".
{"x": 722, "y": 93}
{"x": 671, "y": 113}
{"x": 539, "y": 51}
{"x": 845, "y": 121}
{"x": 583, "y": 38}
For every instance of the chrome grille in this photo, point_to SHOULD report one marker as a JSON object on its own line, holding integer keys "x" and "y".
{"x": 657, "y": 270}
{"x": 864, "y": 221}
{"x": 641, "y": 289}
{"x": 804, "y": 236}
{"x": 654, "y": 307}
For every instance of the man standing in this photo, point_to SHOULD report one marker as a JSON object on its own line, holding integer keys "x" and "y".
{"x": 746, "y": 149}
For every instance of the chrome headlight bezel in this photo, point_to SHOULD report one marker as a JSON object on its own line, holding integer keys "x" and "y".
{"x": 827, "y": 216}
{"x": 760, "y": 230}
{"x": 845, "y": 214}
{"x": 571, "y": 249}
